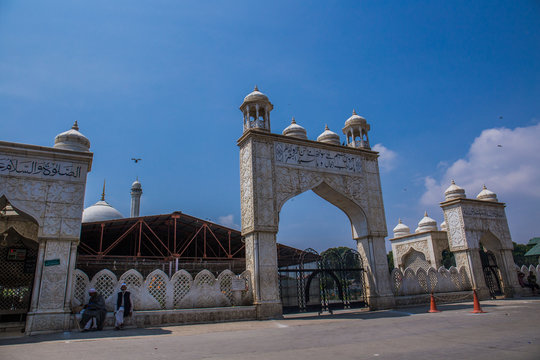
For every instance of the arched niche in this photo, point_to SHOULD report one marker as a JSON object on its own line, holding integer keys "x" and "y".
{"x": 16, "y": 222}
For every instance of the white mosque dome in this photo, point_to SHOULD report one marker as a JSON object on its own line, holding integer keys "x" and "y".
{"x": 100, "y": 211}
{"x": 329, "y": 137}
{"x": 355, "y": 119}
{"x": 72, "y": 140}
{"x": 454, "y": 192}
{"x": 401, "y": 230}
{"x": 426, "y": 224}
{"x": 487, "y": 195}
{"x": 295, "y": 130}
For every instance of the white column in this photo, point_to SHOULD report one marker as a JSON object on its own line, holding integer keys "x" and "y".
{"x": 257, "y": 115}
{"x": 71, "y": 270}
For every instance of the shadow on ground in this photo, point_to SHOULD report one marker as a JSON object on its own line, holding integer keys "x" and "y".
{"x": 362, "y": 314}
{"x": 75, "y": 335}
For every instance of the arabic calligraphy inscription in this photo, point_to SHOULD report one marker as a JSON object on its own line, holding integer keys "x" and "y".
{"x": 22, "y": 166}
{"x": 316, "y": 158}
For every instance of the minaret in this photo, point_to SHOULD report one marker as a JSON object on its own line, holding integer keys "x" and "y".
{"x": 256, "y": 109}
{"x": 136, "y": 192}
{"x": 356, "y": 129}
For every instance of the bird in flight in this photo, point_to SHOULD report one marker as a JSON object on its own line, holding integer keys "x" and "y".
{"x": 499, "y": 145}
{"x": 136, "y": 160}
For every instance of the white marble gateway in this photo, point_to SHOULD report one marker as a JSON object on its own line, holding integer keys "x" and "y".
{"x": 275, "y": 168}
{"x": 45, "y": 188}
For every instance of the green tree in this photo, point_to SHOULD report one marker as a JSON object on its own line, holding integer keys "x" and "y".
{"x": 448, "y": 259}
{"x": 519, "y": 255}
{"x": 390, "y": 258}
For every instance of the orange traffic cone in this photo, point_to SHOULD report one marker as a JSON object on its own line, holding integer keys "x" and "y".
{"x": 433, "y": 307}
{"x": 477, "y": 309}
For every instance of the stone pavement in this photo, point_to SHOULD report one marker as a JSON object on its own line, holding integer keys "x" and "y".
{"x": 509, "y": 330}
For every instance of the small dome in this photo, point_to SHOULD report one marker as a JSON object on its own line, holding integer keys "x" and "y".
{"x": 443, "y": 226}
{"x": 329, "y": 137}
{"x": 136, "y": 185}
{"x": 454, "y": 192}
{"x": 426, "y": 224}
{"x": 487, "y": 195}
{"x": 100, "y": 211}
{"x": 355, "y": 119}
{"x": 401, "y": 230}
{"x": 295, "y": 130}
{"x": 72, "y": 140}
{"x": 255, "y": 95}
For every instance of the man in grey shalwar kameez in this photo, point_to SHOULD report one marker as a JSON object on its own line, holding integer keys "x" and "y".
{"x": 93, "y": 314}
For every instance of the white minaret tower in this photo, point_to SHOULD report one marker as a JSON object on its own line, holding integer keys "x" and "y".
{"x": 136, "y": 192}
{"x": 356, "y": 129}
{"x": 256, "y": 109}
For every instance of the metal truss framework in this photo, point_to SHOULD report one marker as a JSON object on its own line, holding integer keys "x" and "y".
{"x": 160, "y": 237}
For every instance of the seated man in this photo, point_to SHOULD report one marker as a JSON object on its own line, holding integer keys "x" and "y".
{"x": 531, "y": 279}
{"x": 93, "y": 313}
{"x": 521, "y": 279}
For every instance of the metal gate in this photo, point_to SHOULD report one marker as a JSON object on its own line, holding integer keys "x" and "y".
{"x": 17, "y": 267}
{"x": 491, "y": 273}
{"x": 323, "y": 282}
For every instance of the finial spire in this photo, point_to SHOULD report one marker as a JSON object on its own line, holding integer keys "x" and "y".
{"x": 453, "y": 182}
{"x": 484, "y": 187}
{"x": 354, "y": 112}
{"x": 425, "y": 214}
{"x": 75, "y": 126}
{"x": 103, "y": 193}
{"x": 293, "y": 121}
{"x": 399, "y": 221}
{"x": 326, "y": 127}
{"x": 256, "y": 88}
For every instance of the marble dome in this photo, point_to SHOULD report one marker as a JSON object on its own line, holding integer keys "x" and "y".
{"x": 443, "y": 226}
{"x": 72, "y": 140}
{"x": 100, "y": 211}
{"x": 454, "y": 192}
{"x": 487, "y": 195}
{"x": 355, "y": 119}
{"x": 401, "y": 230}
{"x": 256, "y": 95}
{"x": 426, "y": 224}
{"x": 295, "y": 130}
{"x": 329, "y": 137}
{"x": 136, "y": 185}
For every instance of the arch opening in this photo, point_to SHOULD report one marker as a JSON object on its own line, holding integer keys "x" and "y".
{"x": 18, "y": 256}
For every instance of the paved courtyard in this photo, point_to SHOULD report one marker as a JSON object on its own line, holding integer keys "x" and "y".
{"x": 509, "y": 330}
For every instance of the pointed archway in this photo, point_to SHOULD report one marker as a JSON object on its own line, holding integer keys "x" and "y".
{"x": 275, "y": 168}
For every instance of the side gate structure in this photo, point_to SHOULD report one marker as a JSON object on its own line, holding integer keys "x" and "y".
{"x": 322, "y": 282}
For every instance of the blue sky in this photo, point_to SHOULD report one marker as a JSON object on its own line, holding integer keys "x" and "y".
{"x": 440, "y": 82}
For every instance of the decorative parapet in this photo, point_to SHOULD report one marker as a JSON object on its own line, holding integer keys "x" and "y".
{"x": 158, "y": 292}
{"x": 420, "y": 281}
{"x": 527, "y": 269}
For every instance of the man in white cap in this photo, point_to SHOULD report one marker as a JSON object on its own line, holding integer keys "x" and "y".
{"x": 124, "y": 306}
{"x": 94, "y": 312}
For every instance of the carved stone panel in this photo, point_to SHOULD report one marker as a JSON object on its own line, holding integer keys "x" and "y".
{"x": 246, "y": 186}
{"x": 54, "y": 277}
{"x": 456, "y": 231}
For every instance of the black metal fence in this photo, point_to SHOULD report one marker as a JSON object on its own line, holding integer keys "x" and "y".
{"x": 310, "y": 281}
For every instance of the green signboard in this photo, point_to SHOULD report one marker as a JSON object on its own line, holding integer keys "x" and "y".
{"x": 52, "y": 262}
